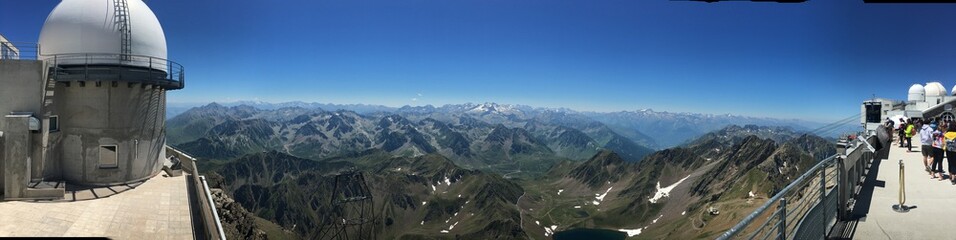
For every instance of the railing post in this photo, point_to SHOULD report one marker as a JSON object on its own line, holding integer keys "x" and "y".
{"x": 841, "y": 188}
{"x": 782, "y": 228}
{"x": 150, "y": 69}
{"x": 823, "y": 201}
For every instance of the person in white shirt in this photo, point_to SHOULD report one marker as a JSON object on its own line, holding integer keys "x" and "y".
{"x": 926, "y": 145}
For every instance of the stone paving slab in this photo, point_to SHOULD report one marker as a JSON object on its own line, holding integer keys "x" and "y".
{"x": 156, "y": 209}
{"x": 935, "y": 202}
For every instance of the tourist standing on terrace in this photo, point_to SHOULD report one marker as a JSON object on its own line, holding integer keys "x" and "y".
{"x": 910, "y": 131}
{"x": 937, "y": 144}
{"x": 950, "y": 142}
{"x": 901, "y": 131}
{"x": 926, "y": 146}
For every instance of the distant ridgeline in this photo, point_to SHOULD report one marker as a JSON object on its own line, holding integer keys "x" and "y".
{"x": 655, "y": 130}
{"x": 486, "y": 171}
{"x": 473, "y": 139}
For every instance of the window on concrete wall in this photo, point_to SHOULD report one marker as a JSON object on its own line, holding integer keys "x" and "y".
{"x": 107, "y": 156}
{"x": 54, "y": 123}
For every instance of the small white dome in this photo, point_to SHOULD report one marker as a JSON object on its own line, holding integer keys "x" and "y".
{"x": 87, "y": 26}
{"x": 916, "y": 88}
{"x": 917, "y": 93}
{"x": 953, "y": 92}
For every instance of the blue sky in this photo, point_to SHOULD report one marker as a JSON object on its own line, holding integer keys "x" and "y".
{"x": 814, "y": 61}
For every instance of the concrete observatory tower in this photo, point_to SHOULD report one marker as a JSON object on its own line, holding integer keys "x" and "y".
{"x": 97, "y": 93}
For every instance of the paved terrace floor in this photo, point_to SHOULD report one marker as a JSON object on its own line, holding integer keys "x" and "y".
{"x": 934, "y": 201}
{"x": 155, "y": 209}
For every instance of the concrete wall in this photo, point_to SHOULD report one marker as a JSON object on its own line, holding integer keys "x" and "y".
{"x": 21, "y": 90}
{"x": 1, "y": 163}
{"x": 21, "y": 83}
{"x": 130, "y": 116}
{"x": 16, "y": 155}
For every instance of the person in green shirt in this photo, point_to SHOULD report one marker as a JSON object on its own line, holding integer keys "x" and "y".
{"x": 909, "y": 135}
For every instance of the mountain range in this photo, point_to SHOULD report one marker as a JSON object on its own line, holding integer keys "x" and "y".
{"x": 649, "y": 128}
{"x": 472, "y": 139}
{"x": 483, "y": 171}
{"x": 664, "y": 196}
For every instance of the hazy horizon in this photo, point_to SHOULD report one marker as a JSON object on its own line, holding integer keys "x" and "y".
{"x": 197, "y": 104}
{"x": 815, "y": 60}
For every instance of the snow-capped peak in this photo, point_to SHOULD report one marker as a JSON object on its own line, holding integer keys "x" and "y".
{"x": 493, "y": 108}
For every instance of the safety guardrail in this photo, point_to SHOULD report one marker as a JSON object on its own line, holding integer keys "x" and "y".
{"x": 140, "y": 68}
{"x": 213, "y": 225}
{"x": 87, "y": 66}
{"x": 19, "y": 50}
{"x": 810, "y": 206}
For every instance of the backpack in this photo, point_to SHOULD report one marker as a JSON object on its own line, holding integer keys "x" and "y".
{"x": 950, "y": 144}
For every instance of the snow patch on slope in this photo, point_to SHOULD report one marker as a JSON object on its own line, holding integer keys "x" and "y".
{"x": 600, "y": 197}
{"x": 664, "y": 192}
{"x": 631, "y": 232}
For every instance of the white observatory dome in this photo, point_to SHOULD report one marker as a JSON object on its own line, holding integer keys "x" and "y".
{"x": 91, "y": 27}
{"x": 935, "y": 89}
{"x": 953, "y": 92}
{"x": 917, "y": 93}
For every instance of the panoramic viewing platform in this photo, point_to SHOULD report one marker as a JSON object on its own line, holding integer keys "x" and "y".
{"x": 693, "y": 119}
{"x": 174, "y": 204}
{"x": 157, "y": 208}
{"x": 873, "y": 187}
{"x": 929, "y": 200}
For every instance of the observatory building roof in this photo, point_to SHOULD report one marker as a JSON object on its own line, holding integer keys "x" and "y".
{"x": 935, "y": 89}
{"x": 94, "y": 26}
{"x": 917, "y": 89}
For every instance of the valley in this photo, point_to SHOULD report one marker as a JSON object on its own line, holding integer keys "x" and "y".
{"x": 490, "y": 173}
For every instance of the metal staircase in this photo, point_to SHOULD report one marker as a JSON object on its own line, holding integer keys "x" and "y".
{"x": 48, "y": 89}
{"x": 40, "y": 186}
{"x": 121, "y": 20}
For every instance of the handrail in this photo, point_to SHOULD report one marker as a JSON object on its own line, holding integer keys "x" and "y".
{"x": 80, "y": 54}
{"x": 774, "y": 200}
{"x": 170, "y": 72}
{"x": 22, "y": 50}
{"x": 207, "y": 206}
{"x": 215, "y": 213}
{"x": 810, "y": 213}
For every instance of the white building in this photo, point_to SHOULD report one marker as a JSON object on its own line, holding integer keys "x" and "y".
{"x": 82, "y": 131}
{"x": 924, "y": 101}
{"x": 89, "y": 110}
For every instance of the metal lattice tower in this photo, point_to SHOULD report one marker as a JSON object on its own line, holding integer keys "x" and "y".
{"x": 353, "y": 213}
{"x": 121, "y": 20}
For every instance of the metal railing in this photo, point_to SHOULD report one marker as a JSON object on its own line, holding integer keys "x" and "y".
{"x": 215, "y": 213}
{"x": 210, "y": 215}
{"x": 19, "y": 51}
{"x": 84, "y": 66}
{"x": 96, "y": 66}
{"x": 810, "y": 206}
